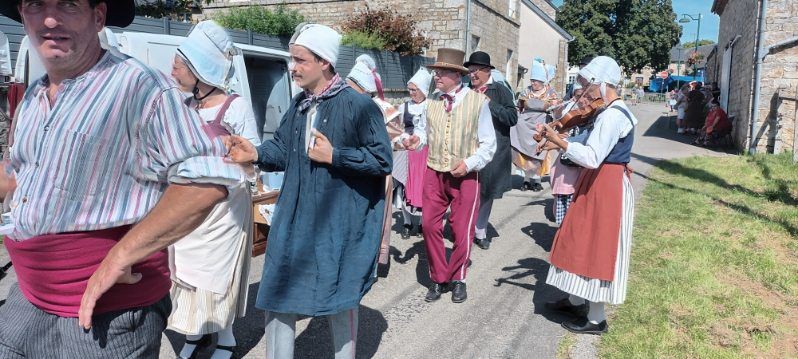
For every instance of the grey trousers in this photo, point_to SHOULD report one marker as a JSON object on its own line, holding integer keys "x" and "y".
{"x": 281, "y": 332}
{"x": 485, "y": 207}
{"x": 28, "y": 332}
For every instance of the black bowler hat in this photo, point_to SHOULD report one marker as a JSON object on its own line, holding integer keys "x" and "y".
{"x": 479, "y": 58}
{"x": 120, "y": 12}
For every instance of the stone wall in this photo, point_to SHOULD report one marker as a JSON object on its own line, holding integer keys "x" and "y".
{"x": 442, "y": 21}
{"x": 739, "y": 18}
{"x": 776, "y": 108}
{"x": 498, "y": 35}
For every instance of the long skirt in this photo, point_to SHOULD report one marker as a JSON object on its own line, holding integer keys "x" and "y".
{"x": 596, "y": 290}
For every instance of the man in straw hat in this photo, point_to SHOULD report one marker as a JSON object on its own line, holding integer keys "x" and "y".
{"x": 496, "y": 177}
{"x": 461, "y": 142}
{"x": 334, "y": 149}
{"x": 111, "y": 168}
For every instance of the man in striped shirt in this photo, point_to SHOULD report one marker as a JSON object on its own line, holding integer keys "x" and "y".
{"x": 111, "y": 167}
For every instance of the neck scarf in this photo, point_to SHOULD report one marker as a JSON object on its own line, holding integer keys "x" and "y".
{"x": 335, "y": 86}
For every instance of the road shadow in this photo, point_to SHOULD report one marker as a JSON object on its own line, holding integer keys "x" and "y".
{"x": 541, "y": 233}
{"x": 665, "y": 127}
{"x": 530, "y": 274}
{"x": 316, "y": 340}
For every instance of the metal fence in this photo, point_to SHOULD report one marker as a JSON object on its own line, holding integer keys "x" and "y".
{"x": 395, "y": 70}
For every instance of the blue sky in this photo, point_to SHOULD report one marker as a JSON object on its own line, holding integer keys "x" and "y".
{"x": 709, "y": 21}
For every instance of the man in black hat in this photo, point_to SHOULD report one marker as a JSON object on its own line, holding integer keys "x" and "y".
{"x": 495, "y": 178}
{"x": 111, "y": 167}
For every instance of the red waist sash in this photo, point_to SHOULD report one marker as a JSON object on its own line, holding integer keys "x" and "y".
{"x": 53, "y": 270}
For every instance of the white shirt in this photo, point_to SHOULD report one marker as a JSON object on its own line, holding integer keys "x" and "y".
{"x": 419, "y": 113}
{"x": 485, "y": 133}
{"x": 610, "y": 126}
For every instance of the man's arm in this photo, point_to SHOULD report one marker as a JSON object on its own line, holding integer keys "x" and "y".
{"x": 181, "y": 209}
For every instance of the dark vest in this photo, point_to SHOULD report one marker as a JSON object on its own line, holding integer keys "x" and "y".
{"x": 622, "y": 152}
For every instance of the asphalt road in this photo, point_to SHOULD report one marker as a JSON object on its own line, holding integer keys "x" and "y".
{"x": 504, "y": 315}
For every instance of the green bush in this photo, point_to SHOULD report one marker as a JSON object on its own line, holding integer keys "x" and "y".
{"x": 364, "y": 40}
{"x": 280, "y": 22}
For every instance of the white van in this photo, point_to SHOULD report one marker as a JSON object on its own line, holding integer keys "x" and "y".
{"x": 261, "y": 74}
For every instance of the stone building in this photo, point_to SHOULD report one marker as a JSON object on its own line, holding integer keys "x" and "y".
{"x": 488, "y": 25}
{"x": 767, "y": 124}
{"x": 540, "y": 36}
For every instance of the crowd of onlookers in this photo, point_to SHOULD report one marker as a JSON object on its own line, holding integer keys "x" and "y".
{"x": 698, "y": 113}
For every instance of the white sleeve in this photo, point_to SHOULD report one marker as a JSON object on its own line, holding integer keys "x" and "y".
{"x": 487, "y": 141}
{"x": 241, "y": 120}
{"x": 420, "y": 129}
{"x": 605, "y": 134}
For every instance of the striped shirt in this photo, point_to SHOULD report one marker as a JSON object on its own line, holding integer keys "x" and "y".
{"x": 102, "y": 154}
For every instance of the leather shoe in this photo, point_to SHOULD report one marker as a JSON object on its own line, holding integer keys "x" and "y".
{"x": 406, "y": 231}
{"x": 459, "y": 294}
{"x": 564, "y": 305}
{"x": 483, "y": 243}
{"x": 434, "y": 292}
{"x": 583, "y": 326}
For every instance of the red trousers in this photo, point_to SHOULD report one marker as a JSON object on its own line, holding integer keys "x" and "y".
{"x": 442, "y": 191}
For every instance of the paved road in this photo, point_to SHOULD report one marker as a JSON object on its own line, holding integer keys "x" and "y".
{"x": 503, "y": 317}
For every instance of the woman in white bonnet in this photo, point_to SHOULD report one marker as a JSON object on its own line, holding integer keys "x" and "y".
{"x": 210, "y": 266}
{"x": 409, "y": 166}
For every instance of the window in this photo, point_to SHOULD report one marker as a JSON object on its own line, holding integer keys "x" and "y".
{"x": 474, "y": 42}
{"x": 513, "y": 8}
{"x": 509, "y": 64}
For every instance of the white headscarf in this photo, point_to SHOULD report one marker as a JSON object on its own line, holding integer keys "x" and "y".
{"x": 602, "y": 70}
{"x": 319, "y": 39}
{"x": 208, "y": 52}
{"x": 537, "y": 72}
{"x": 364, "y": 73}
{"x": 422, "y": 79}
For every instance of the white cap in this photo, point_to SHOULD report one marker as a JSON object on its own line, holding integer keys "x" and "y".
{"x": 364, "y": 74}
{"x": 422, "y": 79}
{"x": 208, "y": 52}
{"x": 542, "y": 72}
{"x": 602, "y": 69}
{"x": 319, "y": 39}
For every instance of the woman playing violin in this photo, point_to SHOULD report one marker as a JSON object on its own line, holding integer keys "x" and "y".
{"x": 591, "y": 250}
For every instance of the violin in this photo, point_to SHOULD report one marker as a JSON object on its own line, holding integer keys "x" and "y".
{"x": 576, "y": 117}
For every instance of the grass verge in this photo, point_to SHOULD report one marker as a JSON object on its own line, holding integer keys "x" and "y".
{"x": 714, "y": 264}
{"x": 565, "y": 346}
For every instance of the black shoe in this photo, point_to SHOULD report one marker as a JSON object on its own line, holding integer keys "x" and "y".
{"x": 564, "y": 305}
{"x": 483, "y": 243}
{"x": 583, "y": 326}
{"x": 537, "y": 187}
{"x": 434, "y": 292}
{"x": 459, "y": 294}
{"x": 406, "y": 231}
{"x": 419, "y": 231}
{"x": 526, "y": 186}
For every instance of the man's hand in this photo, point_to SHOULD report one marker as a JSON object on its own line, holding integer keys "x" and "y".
{"x": 321, "y": 150}
{"x": 7, "y": 181}
{"x": 461, "y": 170}
{"x": 240, "y": 150}
{"x": 411, "y": 143}
{"x": 106, "y": 275}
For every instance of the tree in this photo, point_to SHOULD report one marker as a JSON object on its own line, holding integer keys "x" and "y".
{"x": 702, "y": 42}
{"x": 636, "y": 33}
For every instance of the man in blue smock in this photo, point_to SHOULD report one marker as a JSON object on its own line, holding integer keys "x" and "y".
{"x": 325, "y": 234}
